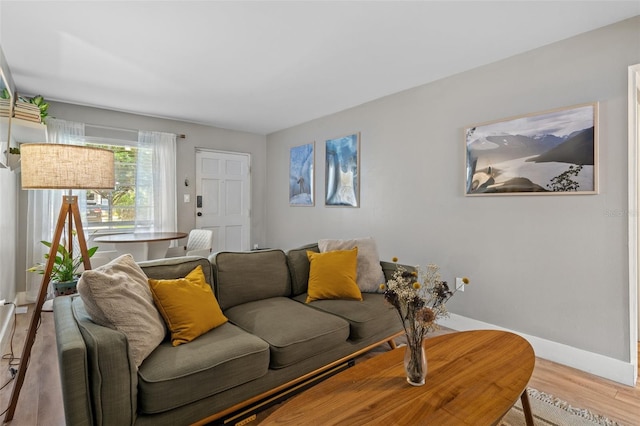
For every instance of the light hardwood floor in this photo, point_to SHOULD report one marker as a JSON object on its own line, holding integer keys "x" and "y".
{"x": 40, "y": 401}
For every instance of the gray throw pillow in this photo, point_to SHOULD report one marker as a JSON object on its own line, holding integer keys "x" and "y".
{"x": 370, "y": 274}
{"x": 117, "y": 295}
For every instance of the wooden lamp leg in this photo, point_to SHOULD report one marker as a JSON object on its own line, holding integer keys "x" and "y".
{"x": 69, "y": 210}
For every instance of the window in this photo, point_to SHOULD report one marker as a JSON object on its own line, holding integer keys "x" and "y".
{"x": 144, "y": 198}
{"x": 123, "y": 208}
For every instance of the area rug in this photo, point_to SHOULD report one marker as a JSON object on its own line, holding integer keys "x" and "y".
{"x": 550, "y": 411}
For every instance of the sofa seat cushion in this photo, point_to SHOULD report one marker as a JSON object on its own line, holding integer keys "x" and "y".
{"x": 294, "y": 331}
{"x": 366, "y": 318}
{"x": 173, "y": 376}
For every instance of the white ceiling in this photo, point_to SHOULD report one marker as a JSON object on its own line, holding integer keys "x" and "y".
{"x": 262, "y": 66}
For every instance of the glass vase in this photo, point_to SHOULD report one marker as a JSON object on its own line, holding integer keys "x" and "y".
{"x": 415, "y": 363}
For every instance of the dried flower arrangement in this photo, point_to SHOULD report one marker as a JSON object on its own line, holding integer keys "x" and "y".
{"x": 419, "y": 296}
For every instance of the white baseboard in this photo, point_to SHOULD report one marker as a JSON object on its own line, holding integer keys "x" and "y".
{"x": 600, "y": 365}
{"x": 6, "y": 323}
{"x": 7, "y": 318}
{"x": 23, "y": 299}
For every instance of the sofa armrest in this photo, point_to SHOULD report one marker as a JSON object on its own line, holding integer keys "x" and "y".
{"x": 72, "y": 359}
{"x": 102, "y": 372}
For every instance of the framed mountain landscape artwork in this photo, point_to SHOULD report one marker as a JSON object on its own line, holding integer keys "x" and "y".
{"x": 547, "y": 153}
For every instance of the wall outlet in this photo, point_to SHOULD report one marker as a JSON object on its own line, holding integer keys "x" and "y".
{"x": 459, "y": 284}
{"x": 255, "y": 246}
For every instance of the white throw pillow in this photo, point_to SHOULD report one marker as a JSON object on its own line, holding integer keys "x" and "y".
{"x": 117, "y": 295}
{"x": 370, "y": 274}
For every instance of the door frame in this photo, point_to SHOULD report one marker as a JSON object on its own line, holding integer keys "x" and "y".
{"x": 249, "y": 158}
{"x": 633, "y": 214}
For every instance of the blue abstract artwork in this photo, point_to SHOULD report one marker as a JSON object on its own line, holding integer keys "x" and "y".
{"x": 342, "y": 173}
{"x": 301, "y": 187}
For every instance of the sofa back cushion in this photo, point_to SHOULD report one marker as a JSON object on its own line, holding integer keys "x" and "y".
{"x": 299, "y": 267}
{"x": 176, "y": 267}
{"x": 242, "y": 277}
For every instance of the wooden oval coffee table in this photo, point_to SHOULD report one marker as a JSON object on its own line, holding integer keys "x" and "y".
{"x": 473, "y": 378}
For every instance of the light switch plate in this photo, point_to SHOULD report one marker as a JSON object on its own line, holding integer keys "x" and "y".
{"x": 187, "y": 198}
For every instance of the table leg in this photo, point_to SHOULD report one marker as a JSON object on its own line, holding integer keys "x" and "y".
{"x": 139, "y": 251}
{"x": 157, "y": 249}
{"x": 526, "y": 408}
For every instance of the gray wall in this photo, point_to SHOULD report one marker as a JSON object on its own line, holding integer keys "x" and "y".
{"x": 554, "y": 267}
{"x": 8, "y": 229}
{"x": 196, "y": 136}
{"x": 8, "y": 216}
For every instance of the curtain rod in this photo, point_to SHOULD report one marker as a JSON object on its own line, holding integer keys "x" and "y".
{"x": 99, "y": 126}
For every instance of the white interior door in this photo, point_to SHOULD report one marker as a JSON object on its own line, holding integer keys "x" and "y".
{"x": 223, "y": 198}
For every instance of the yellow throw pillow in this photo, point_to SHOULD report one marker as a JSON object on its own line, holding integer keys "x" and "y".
{"x": 332, "y": 275}
{"x": 187, "y": 305}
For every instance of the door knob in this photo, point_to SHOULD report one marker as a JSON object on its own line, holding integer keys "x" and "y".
{"x": 199, "y": 213}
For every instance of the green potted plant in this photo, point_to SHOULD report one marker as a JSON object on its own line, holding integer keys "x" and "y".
{"x": 64, "y": 276}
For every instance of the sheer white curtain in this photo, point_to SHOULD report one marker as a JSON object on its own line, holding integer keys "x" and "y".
{"x": 156, "y": 181}
{"x": 44, "y": 205}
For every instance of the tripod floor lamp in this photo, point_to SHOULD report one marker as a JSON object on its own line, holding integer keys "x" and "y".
{"x": 58, "y": 166}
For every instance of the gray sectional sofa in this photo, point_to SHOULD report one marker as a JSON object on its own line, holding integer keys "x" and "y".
{"x": 272, "y": 341}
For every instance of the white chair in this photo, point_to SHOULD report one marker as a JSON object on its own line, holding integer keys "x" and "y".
{"x": 199, "y": 243}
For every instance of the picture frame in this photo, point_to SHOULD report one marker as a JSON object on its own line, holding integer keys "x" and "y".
{"x": 301, "y": 175}
{"x": 553, "y": 152}
{"x": 342, "y": 171}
